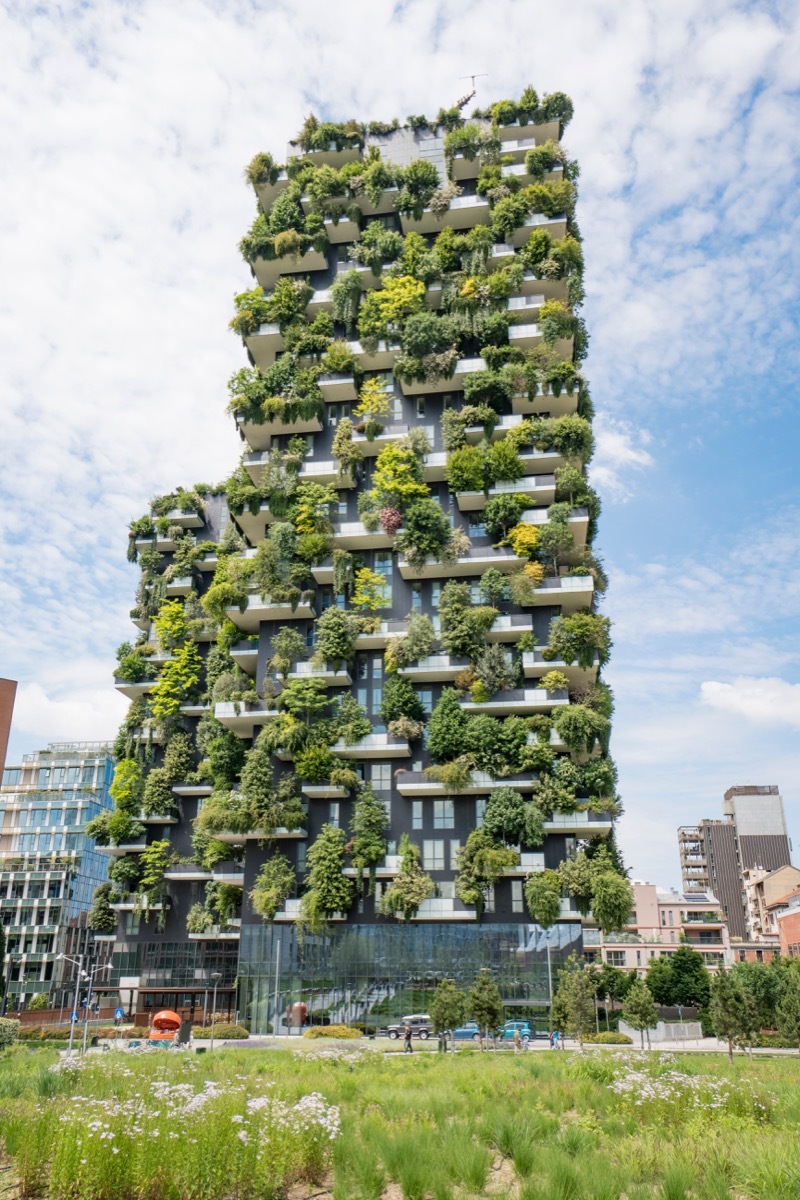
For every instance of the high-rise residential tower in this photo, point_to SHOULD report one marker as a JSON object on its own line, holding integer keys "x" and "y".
{"x": 8, "y": 690}
{"x": 368, "y": 743}
{"x": 720, "y": 856}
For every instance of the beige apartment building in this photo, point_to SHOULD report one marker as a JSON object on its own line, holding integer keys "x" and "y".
{"x": 662, "y": 920}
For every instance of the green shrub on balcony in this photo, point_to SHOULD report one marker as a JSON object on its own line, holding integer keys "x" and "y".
{"x": 328, "y": 890}
{"x": 102, "y": 918}
{"x": 410, "y": 886}
{"x": 480, "y": 862}
{"x": 426, "y": 532}
{"x": 543, "y": 897}
{"x": 578, "y": 637}
{"x": 262, "y": 169}
{"x": 274, "y": 884}
{"x": 368, "y": 829}
{"x": 463, "y": 625}
{"x": 418, "y": 182}
{"x": 252, "y": 310}
{"x": 375, "y": 246}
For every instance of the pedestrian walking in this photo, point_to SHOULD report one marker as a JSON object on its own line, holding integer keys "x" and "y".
{"x": 554, "y": 1040}
{"x": 517, "y": 1041}
{"x": 407, "y": 1047}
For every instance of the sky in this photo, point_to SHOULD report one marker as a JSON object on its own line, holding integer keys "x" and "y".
{"x": 124, "y": 130}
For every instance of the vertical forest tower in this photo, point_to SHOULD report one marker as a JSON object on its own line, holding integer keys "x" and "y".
{"x": 368, "y": 740}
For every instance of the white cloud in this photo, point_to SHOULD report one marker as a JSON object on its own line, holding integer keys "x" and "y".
{"x": 124, "y": 133}
{"x": 619, "y": 454}
{"x": 766, "y": 701}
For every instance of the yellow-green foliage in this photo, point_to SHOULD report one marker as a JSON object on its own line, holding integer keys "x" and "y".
{"x": 373, "y": 400}
{"x": 368, "y": 590}
{"x": 523, "y": 539}
{"x": 179, "y": 678}
{"x": 382, "y": 310}
{"x": 170, "y": 624}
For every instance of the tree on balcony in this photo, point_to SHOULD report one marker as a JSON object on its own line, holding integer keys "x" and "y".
{"x": 410, "y": 886}
{"x": 273, "y": 885}
{"x": 368, "y": 828}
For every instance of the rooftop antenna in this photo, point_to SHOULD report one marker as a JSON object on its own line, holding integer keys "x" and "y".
{"x": 466, "y": 99}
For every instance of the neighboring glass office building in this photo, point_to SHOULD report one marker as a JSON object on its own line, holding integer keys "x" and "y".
{"x": 415, "y": 428}
{"x": 49, "y": 869}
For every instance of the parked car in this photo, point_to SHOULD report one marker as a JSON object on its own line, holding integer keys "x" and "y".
{"x": 421, "y": 1027}
{"x": 507, "y": 1032}
{"x": 468, "y": 1031}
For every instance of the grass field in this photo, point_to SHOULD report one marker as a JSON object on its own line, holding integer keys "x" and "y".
{"x": 358, "y": 1125}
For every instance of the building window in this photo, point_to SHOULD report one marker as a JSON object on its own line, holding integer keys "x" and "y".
{"x": 416, "y": 814}
{"x": 455, "y": 846}
{"x": 480, "y": 810}
{"x": 301, "y": 857}
{"x": 443, "y": 814}
{"x": 489, "y": 906}
{"x": 671, "y": 914}
{"x": 12, "y": 776}
{"x": 433, "y": 854}
{"x": 132, "y": 923}
{"x": 517, "y": 905}
{"x": 420, "y": 406}
{"x": 638, "y": 958}
{"x": 384, "y": 566}
{"x": 333, "y": 813}
{"x": 380, "y": 776}
{"x": 416, "y": 597}
{"x": 426, "y": 696}
{"x": 615, "y": 958}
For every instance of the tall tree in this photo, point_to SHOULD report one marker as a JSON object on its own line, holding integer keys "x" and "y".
{"x": 484, "y": 1003}
{"x": 789, "y": 1007}
{"x": 448, "y": 1006}
{"x": 574, "y": 1003}
{"x": 691, "y": 982}
{"x": 639, "y": 1010}
{"x": 732, "y": 1014}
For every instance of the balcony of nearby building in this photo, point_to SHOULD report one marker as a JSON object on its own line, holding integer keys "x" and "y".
{"x": 264, "y": 608}
{"x": 580, "y": 824}
{"x": 385, "y": 203}
{"x": 519, "y": 702}
{"x": 179, "y": 587}
{"x": 259, "y": 437}
{"x": 192, "y": 790}
{"x": 537, "y": 489}
{"x": 325, "y": 471}
{"x": 228, "y": 872}
{"x": 281, "y": 833}
{"x": 390, "y": 867}
{"x": 136, "y": 903}
{"x": 441, "y": 908}
{"x": 331, "y": 676}
{"x": 535, "y": 666}
{"x": 338, "y": 389}
{"x": 519, "y": 172}
{"x": 119, "y": 850}
{"x": 454, "y": 383}
{"x": 324, "y": 791}
{"x": 187, "y": 873}
{"x": 463, "y": 213}
{"x": 380, "y": 636}
{"x": 219, "y": 933}
{"x": 529, "y": 132}
{"x": 268, "y": 192}
{"x": 341, "y": 229}
{"x": 329, "y": 156}
{"x": 245, "y": 655}
{"x": 569, "y": 592}
{"x": 269, "y": 271}
{"x": 244, "y": 717}
{"x": 390, "y": 436}
{"x": 416, "y": 783}
{"x": 546, "y": 403}
{"x": 578, "y": 522}
{"x": 436, "y": 668}
{"x": 291, "y": 912}
{"x": 187, "y": 518}
{"x": 555, "y": 226}
{"x": 373, "y": 745}
{"x": 509, "y": 627}
{"x": 354, "y": 535}
{"x": 530, "y": 863}
{"x": 474, "y": 562}
{"x": 380, "y": 358}
{"x": 134, "y": 690}
{"x": 265, "y": 344}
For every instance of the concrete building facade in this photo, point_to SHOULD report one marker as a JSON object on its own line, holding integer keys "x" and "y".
{"x": 715, "y": 854}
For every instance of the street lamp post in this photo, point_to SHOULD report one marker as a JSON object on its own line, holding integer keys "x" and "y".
{"x": 92, "y": 973}
{"x": 216, "y": 976}
{"x": 78, "y": 962}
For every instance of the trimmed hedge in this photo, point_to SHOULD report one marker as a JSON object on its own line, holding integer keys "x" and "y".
{"x": 332, "y": 1031}
{"x": 222, "y": 1030}
{"x": 609, "y": 1039}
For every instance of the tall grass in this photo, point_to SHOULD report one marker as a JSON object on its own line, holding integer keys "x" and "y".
{"x": 244, "y": 1125}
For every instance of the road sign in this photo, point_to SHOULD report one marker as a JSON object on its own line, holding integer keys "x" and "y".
{"x": 119, "y": 1014}
{"x": 73, "y": 1016}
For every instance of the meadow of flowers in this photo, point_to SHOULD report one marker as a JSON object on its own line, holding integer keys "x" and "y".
{"x": 346, "y": 1124}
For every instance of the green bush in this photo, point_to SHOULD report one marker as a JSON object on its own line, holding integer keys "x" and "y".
{"x": 609, "y": 1039}
{"x": 9, "y": 1031}
{"x": 25, "y": 1033}
{"x": 332, "y": 1031}
{"x": 222, "y": 1030}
